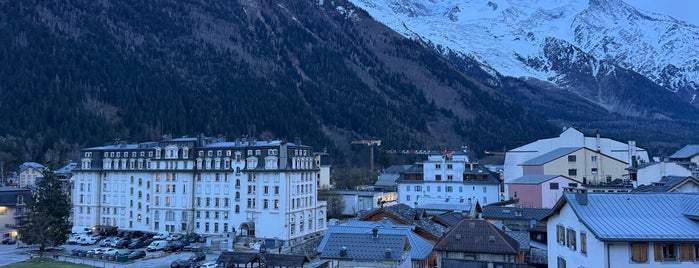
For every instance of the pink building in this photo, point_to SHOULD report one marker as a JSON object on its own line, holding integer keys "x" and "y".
{"x": 540, "y": 191}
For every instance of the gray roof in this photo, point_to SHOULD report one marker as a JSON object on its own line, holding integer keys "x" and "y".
{"x": 666, "y": 184}
{"x": 365, "y": 247}
{"x": 8, "y": 195}
{"x": 67, "y": 168}
{"x": 420, "y": 247}
{"x": 34, "y": 165}
{"x": 496, "y": 212}
{"x": 533, "y": 179}
{"x": 550, "y": 156}
{"x": 687, "y": 151}
{"x": 408, "y": 215}
{"x": 387, "y": 179}
{"x": 637, "y": 216}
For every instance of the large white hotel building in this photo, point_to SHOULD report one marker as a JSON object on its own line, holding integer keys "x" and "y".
{"x": 266, "y": 189}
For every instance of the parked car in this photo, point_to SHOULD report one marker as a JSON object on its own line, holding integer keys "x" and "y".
{"x": 109, "y": 252}
{"x": 136, "y": 244}
{"x": 136, "y": 254}
{"x": 181, "y": 263}
{"x": 88, "y": 240}
{"x": 107, "y": 241}
{"x": 161, "y": 235}
{"x": 157, "y": 245}
{"x": 9, "y": 241}
{"x": 197, "y": 256}
{"x": 122, "y": 243}
{"x": 173, "y": 246}
{"x": 73, "y": 239}
{"x": 173, "y": 237}
{"x": 209, "y": 264}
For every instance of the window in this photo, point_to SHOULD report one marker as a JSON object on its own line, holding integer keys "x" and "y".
{"x": 438, "y": 177}
{"x": 418, "y": 188}
{"x": 560, "y": 234}
{"x": 237, "y": 209}
{"x": 593, "y": 158}
{"x": 571, "y": 243}
{"x": 571, "y": 158}
{"x": 561, "y": 262}
{"x": 439, "y": 188}
{"x": 593, "y": 171}
{"x": 449, "y": 189}
{"x": 553, "y": 186}
{"x": 407, "y": 188}
{"x": 276, "y": 203}
{"x": 450, "y": 177}
{"x": 407, "y": 198}
{"x": 266, "y": 204}
{"x": 449, "y": 166}
{"x": 437, "y": 166}
{"x": 639, "y": 252}
{"x": 572, "y": 172}
{"x": 665, "y": 252}
{"x": 583, "y": 243}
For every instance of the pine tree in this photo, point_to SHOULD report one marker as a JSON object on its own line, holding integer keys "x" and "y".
{"x": 46, "y": 221}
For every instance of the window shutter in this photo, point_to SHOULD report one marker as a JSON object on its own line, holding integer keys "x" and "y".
{"x": 686, "y": 252}
{"x": 639, "y": 252}
{"x": 658, "y": 252}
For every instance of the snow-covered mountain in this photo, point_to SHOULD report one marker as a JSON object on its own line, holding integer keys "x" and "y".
{"x": 573, "y": 44}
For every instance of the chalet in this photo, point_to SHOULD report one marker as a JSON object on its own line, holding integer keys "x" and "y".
{"x": 624, "y": 230}
{"x": 478, "y": 243}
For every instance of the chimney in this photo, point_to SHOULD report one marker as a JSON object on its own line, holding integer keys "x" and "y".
{"x": 388, "y": 253}
{"x": 375, "y": 232}
{"x": 598, "y": 142}
{"x": 581, "y": 197}
{"x": 343, "y": 251}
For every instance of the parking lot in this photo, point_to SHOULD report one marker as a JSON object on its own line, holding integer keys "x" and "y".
{"x": 157, "y": 259}
{"x": 154, "y": 259}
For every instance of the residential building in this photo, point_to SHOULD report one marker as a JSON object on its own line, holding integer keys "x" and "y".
{"x": 578, "y": 163}
{"x": 648, "y": 173}
{"x": 436, "y": 206}
{"x": 448, "y": 175}
{"x": 420, "y": 249}
{"x": 589, "y": 229}
{"x": 624, "y": 152}
{"x": 403, "y": 214}
{"x": 355, "y": 201}
{"x": 669, "y": 184}
{"x": 12, "y": 206}
{"x": 539, "y": 191}
{"x": 387, "y": 178}
{"x": 478, "y": 243}
{"x": 29, "y": 173}
{"x": 323, "y": 176}
{"x": 374, "y": 249}
{"x": 531, "y": 220}
{"x": 206, "y": 185}
{"x": 689, "y": 154}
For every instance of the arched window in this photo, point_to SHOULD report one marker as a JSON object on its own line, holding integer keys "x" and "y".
{"x": 237, "y": 209}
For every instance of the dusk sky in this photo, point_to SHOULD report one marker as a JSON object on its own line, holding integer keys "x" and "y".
{"x": 686, "y": 10}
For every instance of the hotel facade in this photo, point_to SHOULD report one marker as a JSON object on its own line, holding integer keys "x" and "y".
{"x": 205, "y": 185}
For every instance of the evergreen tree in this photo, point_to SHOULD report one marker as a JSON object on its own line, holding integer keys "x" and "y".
{"x": 46, "y": 221}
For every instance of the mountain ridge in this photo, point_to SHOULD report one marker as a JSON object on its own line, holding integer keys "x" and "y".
{"x": 89, "y": 72}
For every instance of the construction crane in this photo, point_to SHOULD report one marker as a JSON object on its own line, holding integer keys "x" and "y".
{"x": 371, "y": 144}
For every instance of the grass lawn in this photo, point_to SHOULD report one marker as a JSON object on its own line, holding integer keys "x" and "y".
{"x": 46, "y": 262}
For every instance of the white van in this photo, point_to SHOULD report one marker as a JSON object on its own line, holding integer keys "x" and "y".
{"x": 80, "y": 230}
{"x": 161, "y": 235}
{"x": 157, "y": 245}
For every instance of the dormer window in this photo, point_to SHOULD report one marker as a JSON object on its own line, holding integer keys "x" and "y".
{"x": 218, "y": 153}
{"x": 88, "y": 154}
{"x": 210, "y": 153}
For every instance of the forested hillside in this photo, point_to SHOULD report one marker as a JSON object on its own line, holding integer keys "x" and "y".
{"x": 83, "y": 73}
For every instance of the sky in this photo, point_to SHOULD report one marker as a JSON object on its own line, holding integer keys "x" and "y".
{"x": 686, "y": 10}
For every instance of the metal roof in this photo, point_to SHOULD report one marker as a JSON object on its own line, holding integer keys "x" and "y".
{"x": 550, "y": 156}
{"x": 496, "y": 212}
{"x": 687, "y": 151}
{"x": 365, "y": 247}
{"x": 533, "y": 179}
{"x": 420, "y": 247}
{"x": 637, "y": 216}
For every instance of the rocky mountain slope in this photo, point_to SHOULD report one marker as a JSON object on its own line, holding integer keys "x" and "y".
{"x": 577, "y": 45}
